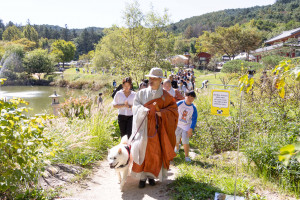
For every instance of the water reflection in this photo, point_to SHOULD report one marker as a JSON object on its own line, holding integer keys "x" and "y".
{"x": 38, "y": 96}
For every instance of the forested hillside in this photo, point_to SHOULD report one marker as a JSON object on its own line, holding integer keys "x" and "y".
{"x": 85, "y": 39}
{"x": 282, "y": 15}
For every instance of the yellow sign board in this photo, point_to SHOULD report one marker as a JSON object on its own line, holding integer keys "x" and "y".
{"x": 220, "y": 102}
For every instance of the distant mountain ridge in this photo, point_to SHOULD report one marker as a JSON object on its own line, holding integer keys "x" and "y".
{"x": 282, "y": 11}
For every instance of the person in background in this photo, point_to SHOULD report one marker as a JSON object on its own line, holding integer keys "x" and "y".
{"x": 114, "y": 83}
{"x": 264, "y": 79}
{"x": 173, "y": 82}
{"x": 123, "y": 101}
{"x": 182, "y": 88}
{"x": 99, "y": 100}
{"x": 193, "y": 81}
{"x": 186, "y": 123}
{"x": 251, "y": 73}
{"x": 173, "y": 92}
{"x": 143, "y": 84}
{"x": 204, "y": 84}
{"x": 189, "y": 85}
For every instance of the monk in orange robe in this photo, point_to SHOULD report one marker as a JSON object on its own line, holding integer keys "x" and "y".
{"x": 154, "y": 146}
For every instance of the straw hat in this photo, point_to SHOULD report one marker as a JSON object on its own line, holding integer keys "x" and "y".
{"x": 156, "y": 73}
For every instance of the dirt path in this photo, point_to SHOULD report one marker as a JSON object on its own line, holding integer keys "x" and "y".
{"x": 103, "y": 184}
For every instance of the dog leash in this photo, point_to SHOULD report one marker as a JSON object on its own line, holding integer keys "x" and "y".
{"x": 156, "y": 128}
{"x": 139, "y": 128}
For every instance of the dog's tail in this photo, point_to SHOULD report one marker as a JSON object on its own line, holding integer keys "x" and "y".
{"x": 124, "y": 139}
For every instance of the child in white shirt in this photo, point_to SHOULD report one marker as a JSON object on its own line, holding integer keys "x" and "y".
{"x": 186, "y": 123}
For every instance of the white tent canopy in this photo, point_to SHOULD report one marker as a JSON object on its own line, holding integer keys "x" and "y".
{"x": 244, "y": 56}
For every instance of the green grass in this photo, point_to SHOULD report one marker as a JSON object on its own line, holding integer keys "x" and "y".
{"x": 205, "y": 176}
{"x": 83, "y": 141}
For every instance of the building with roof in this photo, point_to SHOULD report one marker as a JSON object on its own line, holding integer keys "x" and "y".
{"x": 281, "y": 45}
{"x": 284, "y": 36}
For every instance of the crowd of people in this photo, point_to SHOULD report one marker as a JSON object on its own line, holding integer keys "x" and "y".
{"x": 156, "y": 119}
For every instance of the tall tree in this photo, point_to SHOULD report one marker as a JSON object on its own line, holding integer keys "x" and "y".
{"x": 230, "y": 41}
{"x": 188, "y": 33}
{"x": 63, "y": 51}
{"x": 38, "y": 61}
{"x": 12, "y": 33}
{"x": 134, "y": 49}
{"x": 65, "y": 33}
{"x": 30, "y": 33}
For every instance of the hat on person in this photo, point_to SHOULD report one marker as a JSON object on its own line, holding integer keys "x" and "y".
{"x": 156, "y": 73}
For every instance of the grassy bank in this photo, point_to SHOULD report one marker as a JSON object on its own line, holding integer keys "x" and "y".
{"x": 80, "y": 80}
{"x": 268, "y": 123}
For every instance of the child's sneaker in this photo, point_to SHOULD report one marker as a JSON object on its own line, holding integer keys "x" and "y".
{"x": 187, "y": 159}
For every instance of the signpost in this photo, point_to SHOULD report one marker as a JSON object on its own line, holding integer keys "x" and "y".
{"x": 220, "y": 102}
{"x": 220, "y": 106}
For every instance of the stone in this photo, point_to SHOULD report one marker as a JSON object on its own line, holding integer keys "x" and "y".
{"x": 46, "y": 174}
{"x": 53, "y": 170}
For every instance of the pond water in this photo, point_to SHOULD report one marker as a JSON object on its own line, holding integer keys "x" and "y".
{"x": 38, "y": 96}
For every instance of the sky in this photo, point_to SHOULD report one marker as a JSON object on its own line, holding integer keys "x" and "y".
{"x": 105, "y": 13}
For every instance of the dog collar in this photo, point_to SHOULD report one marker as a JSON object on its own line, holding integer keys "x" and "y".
{"x": 128, "y": 151}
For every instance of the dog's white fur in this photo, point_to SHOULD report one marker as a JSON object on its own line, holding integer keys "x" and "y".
{"x": 118, "y": 156}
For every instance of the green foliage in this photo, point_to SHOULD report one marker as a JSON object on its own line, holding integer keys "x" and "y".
{"x": 266, "y": 18}
{"x": 231, "y": 40}
{"x": 27, "y": 44}
{"x": 63, "y": 51}
{"x": 77, "y": 107}
{"x": 202, "y": 178}
{"x": 271, "y": 61}
{"x": 87, "y": 40}
{"x": 83, "y": 141}
{"x": 214, "y": 134}
{"x": 12, "y": 33}
{"x": 20, "y": 147}
{"x": 30, "y": 33}
{"x": 38, "y": 61}
{"x": 134, "y": 49}
{"x": 12, "y": 59}
{"x": 240, "y": 66}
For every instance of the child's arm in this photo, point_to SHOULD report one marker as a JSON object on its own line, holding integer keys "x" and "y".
{"x": 194, "y": 118}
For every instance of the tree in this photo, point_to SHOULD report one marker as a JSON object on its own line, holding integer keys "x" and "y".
{"x": 12, "y": 33}
{"x": 27, "y": 44}
{"x": 188, "y": 33}
{"x": 134, "y": 49}
{"x": 63, "y": 51}
{"x": 65, "y": 33}
{"x": 12, "y": 59}
{"x": 38, "y": 61}
{"x": 272, "y": 60}
{"x": 31, "y": 34}
{"x": 231, "y": 40}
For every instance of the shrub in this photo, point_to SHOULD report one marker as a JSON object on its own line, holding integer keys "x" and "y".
{"x": 240, "y": 66}
{"x": 10, "y": 75}
{"x": 21, "y": 140}
{"x": 271, "y": 61}
{"x": 83, "y": 141}
{"x": 77, "y": 107}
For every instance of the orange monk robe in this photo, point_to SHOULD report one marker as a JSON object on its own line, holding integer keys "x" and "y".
{"x": 161, "y": 143}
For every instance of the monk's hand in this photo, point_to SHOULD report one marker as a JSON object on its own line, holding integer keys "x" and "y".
{"x": 190, "y": 132}
{"x": 158, "y": 114}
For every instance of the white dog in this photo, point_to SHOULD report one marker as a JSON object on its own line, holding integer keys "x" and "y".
{"x": 119, "y": 159}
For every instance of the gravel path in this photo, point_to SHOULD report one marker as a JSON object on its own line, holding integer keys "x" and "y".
{"x": 104, "y": 185}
